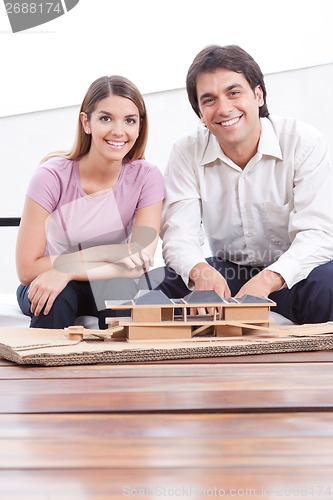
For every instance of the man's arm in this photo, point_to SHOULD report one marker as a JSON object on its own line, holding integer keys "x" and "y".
{"x": 311, "y": 222}
{"x": 182, "y": 231}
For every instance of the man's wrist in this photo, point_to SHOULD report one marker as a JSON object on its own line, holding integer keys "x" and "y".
{"x": 197, "y": 270}
{"x": 274, "y": 280}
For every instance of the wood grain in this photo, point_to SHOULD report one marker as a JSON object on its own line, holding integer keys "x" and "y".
{"x": 169, "y": 430}
{"x": 215, "y": 388}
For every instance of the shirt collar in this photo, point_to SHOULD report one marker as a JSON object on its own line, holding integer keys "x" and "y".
{"x": 268, "y": 145}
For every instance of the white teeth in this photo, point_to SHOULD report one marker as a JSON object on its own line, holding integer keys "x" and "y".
{"x": 117, "y": 144}
{"x": 230, "y": 122}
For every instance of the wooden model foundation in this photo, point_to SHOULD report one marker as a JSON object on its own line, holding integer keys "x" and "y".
{"x": 153, "y": 316}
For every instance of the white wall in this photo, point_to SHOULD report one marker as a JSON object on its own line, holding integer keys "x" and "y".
{"x": 152, "y": 42}
{"x": 26, "y": 138}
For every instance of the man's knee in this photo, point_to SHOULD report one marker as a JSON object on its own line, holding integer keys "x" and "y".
{"x": 312, "y": 298}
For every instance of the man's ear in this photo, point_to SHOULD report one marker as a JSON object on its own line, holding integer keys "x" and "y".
{"x": 202, "y": 120}
{"x": 259, "y": 95}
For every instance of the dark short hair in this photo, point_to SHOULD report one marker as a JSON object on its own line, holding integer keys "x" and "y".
{"x": 230, "y": 57}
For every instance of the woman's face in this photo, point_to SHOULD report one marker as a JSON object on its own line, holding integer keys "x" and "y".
{"x": 114, "y": 126}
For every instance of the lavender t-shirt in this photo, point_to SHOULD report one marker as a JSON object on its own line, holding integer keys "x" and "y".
{"x": 79, "y": 220}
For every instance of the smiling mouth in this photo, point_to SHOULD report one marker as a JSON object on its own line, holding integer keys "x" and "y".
{"x": 116, "y": 144}
{"x": 230, "y": 123}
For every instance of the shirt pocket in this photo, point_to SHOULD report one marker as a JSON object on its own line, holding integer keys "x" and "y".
{"x": 276, "y": 222}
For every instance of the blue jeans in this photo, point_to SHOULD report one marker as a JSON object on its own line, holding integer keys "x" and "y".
{"x": 79, "y": 298}
{"x": 309, "y": 301}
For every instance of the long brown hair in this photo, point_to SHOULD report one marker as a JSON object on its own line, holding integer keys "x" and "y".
{"x": 100, "y": 89}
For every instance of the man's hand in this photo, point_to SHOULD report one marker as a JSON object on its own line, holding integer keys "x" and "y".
{"x": 205, "y": 277}
{"x": 261, "y": 285}
{"x": 44, "y": 290}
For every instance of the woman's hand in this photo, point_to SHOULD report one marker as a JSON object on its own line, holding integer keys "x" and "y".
{"x": 136, "y": 259}
{"x": 44, "y": 290}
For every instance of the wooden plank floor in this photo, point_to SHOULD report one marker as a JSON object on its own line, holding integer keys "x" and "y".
{"x": 247, "y": 426}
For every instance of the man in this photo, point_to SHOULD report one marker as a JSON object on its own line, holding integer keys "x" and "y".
{"x": 258, "y": 187}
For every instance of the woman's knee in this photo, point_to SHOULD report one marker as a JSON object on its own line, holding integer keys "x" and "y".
{"x": 23, "y": 300}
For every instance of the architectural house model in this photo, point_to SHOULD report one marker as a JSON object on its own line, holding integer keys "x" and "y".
{"x": 151, "y": 315}
{"x": 152, "y": 327}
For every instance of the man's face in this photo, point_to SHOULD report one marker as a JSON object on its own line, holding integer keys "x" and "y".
{"x": 230, "y": 109}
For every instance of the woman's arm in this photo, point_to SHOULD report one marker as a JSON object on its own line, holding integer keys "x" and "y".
{"x": 33, "y": 267}
{"x": 147, "y": 226}
{"x": 47, "y": 281}
{"x": 117, "y": 260}
{"x": 31, "y": 243}
{"x": 138, "y": 256}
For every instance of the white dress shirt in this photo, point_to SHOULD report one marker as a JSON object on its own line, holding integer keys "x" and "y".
{"x": 276, "y": 213}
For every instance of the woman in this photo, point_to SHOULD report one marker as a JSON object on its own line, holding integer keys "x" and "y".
{"x": 92, "y": 215}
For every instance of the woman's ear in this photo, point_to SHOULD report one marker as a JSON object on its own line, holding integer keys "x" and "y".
{"x": 85, "y": 122}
